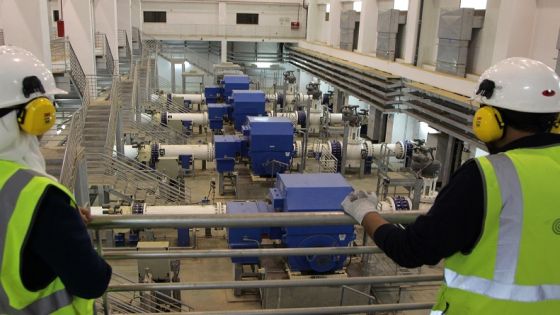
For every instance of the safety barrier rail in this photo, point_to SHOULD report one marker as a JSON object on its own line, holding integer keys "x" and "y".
{"x": 132, "y": 302}
{"x": 118, "y": 168}
{"x": 113, "y": 114}
{"x": 259, "y": 220}
{"x": 112, "y": 67}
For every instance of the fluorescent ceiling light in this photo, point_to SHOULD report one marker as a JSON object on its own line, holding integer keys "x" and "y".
{"x": 475, "y": 4}
{"x": 263, "y": 65}
{"x": 328, "y": 9}
{"x": 401, "y": 5}
{"x": 357, "y": 6}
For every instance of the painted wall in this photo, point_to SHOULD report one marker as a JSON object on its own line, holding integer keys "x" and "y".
{"x": 547, "y": 25}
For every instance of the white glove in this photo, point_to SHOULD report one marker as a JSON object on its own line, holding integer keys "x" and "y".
{"x": 359, "y": 203}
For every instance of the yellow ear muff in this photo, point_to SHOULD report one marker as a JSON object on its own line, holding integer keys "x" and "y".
{"x": 488, "y": 125}
{"x": 556, "y": 126}
{"x": 37, "y": 117}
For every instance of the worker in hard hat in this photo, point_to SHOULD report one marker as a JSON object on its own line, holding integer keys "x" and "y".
{"x": 497, "y": 222}
{"x": 47, "y": 262}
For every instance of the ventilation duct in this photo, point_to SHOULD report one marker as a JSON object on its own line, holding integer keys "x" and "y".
{"x": 455, "y": 32}
{"x": 388, "y": 33}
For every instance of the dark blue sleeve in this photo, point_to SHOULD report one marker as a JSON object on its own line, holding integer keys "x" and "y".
{"x": 60, "y": 239}
{"x": 452, "y": 225}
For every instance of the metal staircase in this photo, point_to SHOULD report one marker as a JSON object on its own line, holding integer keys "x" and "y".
{"x": 92, "y": 136}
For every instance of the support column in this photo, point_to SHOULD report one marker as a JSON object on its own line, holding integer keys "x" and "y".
{"x": 79, "y": 26}
{"x": 106, "y": 23}
{"x": 367, "y": 38}
{"x": 124, "y": 20}
{"x": 26, "y": 24}
{"x": 515, "y": 29}
{"x": 313, "y": 18}
{"x": 334, "y": 21}
{"x": 137, "y": 17}
{"x": 411, "y": 30}
{"x": 222, "y": 20}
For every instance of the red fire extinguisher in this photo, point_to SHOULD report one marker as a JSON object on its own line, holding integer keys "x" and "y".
{"x": 60, "y": 23}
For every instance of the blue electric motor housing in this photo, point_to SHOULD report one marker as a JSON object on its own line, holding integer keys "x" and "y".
{"x": 310, "y": 193}
{"x": 243, "y": 238}
{"x": 270, "y": 139}
{"x": 227, "y": 148}
{"x": 234, "y": 82}
{"x": 299, "y": 192}
{"x": 247, "y": 103}
{"x": 212, "y": 94}
{"x": 216, "y": 114}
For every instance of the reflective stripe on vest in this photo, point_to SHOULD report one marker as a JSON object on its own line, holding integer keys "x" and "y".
{"x": 9, "y": 195}
{"x": 502, "y": 286}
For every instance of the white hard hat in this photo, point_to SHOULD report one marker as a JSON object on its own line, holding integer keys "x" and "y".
{"x": 15, "y": 65}
{"x": 520, "y": 84}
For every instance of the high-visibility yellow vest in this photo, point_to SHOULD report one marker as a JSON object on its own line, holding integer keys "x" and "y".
{"x": 514, "y": 267}
{"x": 21, "y": 190}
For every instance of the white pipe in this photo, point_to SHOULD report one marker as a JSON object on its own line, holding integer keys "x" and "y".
{"x": 193, "y": 98}
{"x": 165, "y": 210}
{"x": 198, "y": 119}
{"x": 185, "y": 209}
{"x": 172, "y": 151}
{"x": 335, "y": 119}
{"x": 198, "y": 151}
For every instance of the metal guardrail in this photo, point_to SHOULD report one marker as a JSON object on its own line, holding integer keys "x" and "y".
{"x": 259, "y": 220}
{"x": 138, "y": 177}
{"x": 277, "y": 219}
{"x": 111, "y": 65}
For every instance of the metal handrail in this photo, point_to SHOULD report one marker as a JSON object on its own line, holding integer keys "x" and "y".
{"x": 111, "y": 66}
{"x": 252, "y": 284}
{"x": 158, "y": 295}
{"x": 254, "y": 252}
{"x": 277, "y": 219}
{"x": 136, "y": 173}
{"x": 336, "y": 310}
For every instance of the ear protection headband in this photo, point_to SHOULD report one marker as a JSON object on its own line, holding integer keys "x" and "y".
{"x": 488, "y": 124}
{"x": 36, "y": 116}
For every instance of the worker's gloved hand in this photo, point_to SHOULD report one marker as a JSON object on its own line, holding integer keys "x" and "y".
{"x": 359, "y": 203}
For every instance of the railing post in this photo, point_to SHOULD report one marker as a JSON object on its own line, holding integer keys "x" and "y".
{"x": 99, "y": 241}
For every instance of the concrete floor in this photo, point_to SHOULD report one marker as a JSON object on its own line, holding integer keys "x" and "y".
{"x": 216, "y": 269}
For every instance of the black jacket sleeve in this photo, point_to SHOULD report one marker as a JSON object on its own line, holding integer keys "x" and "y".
{"x": 60, "y": 240}
{"x": 453, "y": 224}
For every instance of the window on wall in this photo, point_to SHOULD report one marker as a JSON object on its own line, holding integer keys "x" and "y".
{"x": 247, "y": 18}
{"x": 475, "y": 4}
{"x": 357, "y": 6}
{"x": 56, "y": 15}
{"x": 155, "y": 17}
{"x": 401, "y": 5}
{"x": 327, "y": 11}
